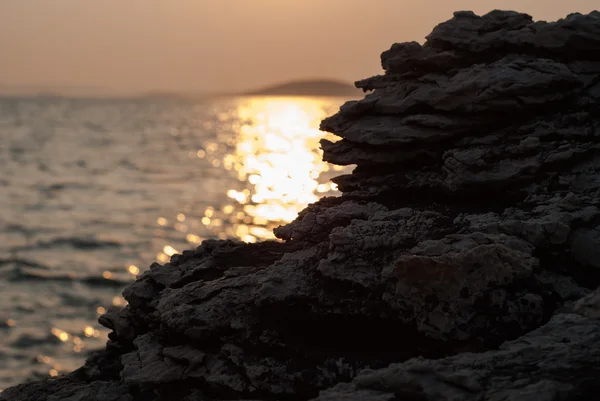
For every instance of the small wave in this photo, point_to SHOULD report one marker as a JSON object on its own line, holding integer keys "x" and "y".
{"x": 102, "y": 282}
{"x": 94, "y": 127}
{"x": 21, "y": 229}
{"x": 74, "y": 242}
{"x": 31, "y": 274}
{"x": 59, "y": 186}
{"x": 128, "y": 164}
{"x": 23, "y": 262}
{"x": 29, "y": 340}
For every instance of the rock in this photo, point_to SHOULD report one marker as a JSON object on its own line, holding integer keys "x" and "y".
{"x": 585, "y": 246}
{"x": 460, "y": 262}
{"x": 455, "y": 295}
{"x": 589, "y": 305}
{"x": 69, "y": 389}
{"x": 560, "y": 360}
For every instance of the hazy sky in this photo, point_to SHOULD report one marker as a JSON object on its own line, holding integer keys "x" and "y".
{"x": 213, "y": 45}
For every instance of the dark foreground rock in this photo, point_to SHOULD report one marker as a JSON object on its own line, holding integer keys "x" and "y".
{"x": 559, "y": 361}
{"x": 459, "y": 263}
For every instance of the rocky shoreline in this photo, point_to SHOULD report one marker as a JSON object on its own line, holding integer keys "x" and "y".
{"x": 462, "y": 261}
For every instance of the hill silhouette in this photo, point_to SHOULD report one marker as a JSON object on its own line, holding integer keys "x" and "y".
{"x": 313, "y": 87}
{"x": 306, "y": 87}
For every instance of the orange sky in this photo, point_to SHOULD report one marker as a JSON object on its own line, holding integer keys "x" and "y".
{"x": 212, "y": 45}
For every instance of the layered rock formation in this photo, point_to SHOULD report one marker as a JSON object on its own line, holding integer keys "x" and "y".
{"x": 460, "y": 263}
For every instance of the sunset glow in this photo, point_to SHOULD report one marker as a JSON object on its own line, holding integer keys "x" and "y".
{"x": 120, "y": 47}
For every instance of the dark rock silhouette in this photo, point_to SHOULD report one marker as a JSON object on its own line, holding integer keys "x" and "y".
{"x": 460, "y": 263}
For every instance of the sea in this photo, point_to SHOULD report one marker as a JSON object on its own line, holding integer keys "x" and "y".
{"x": 93, "y": 191}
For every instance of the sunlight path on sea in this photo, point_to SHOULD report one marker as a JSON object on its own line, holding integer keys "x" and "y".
{"x": 277, "y": 161}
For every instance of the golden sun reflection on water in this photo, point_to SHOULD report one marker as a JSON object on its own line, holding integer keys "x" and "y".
{"x": 278, "y": 155}
{"x": 275, "y": 157}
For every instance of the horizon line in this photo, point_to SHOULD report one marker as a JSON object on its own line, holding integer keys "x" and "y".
{"x": 48, "y": 90}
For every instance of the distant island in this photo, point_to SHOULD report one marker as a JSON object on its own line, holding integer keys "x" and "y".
{"x": 305, "y": 87}
{"x": 314, "y": 87}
